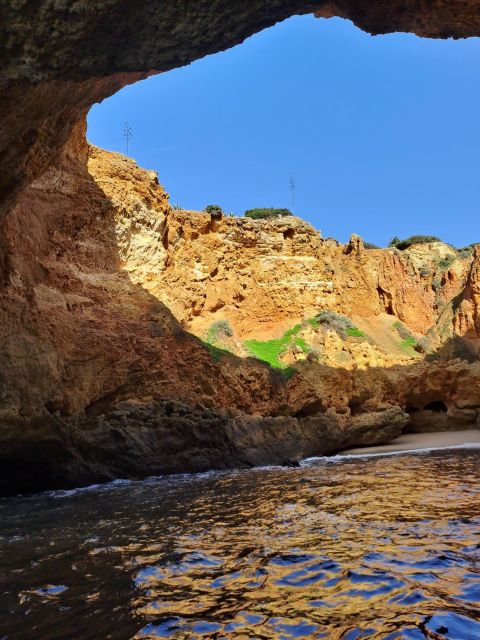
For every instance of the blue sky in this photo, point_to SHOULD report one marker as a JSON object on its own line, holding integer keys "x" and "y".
{"x": 382, "y": 134}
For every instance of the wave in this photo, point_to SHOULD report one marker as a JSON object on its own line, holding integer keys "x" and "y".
{"x": 376, "y": 454}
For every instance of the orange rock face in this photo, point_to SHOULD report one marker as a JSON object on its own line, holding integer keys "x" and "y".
{"x": 102, "y": 374}
{"x": 263, "y": 276}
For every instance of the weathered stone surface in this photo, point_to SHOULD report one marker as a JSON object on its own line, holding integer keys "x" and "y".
{"x": 138, "y": 440}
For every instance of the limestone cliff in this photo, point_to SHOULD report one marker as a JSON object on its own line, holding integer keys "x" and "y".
{"x": 102, "y": 376}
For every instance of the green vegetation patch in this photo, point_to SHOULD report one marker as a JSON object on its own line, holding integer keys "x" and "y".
{"x": 446, "y": 263}
{"x": 354, "y": 332}
{"x": 302, "y": 345}
{"x": 408, "y": 341}
{"x": 337, "y": 322}
{"x": 408, "y": 242}
{"x": 262, "y": 214}
{"x": 270, "y": 351}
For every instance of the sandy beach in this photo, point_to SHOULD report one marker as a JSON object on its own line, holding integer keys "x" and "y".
{"x": 415, "y": 441}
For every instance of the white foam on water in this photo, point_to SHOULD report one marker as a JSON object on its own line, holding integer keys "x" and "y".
{"x": 376, "y": 454}
{"x": 179, "y": 477}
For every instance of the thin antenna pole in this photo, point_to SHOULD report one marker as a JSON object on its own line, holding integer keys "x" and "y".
{"x": 127, "y": 134}
{"x": 292, "y": 185}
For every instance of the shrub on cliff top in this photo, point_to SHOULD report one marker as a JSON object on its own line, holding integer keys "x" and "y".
{"x": 408, "y": 242}
{"x": 467, "y": 252}
{"x": 262, "y": 214}
{"x": 213, "y": 208}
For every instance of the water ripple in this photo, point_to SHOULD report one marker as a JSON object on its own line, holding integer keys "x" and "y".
{"x": 382, "y": 548}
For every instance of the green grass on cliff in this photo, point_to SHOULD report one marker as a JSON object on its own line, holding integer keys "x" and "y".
{"x": 408, "y": 340}
{"x": 408, "y": 344}
{"x": 269, "y": 351}
{"x": 355, "y": 332}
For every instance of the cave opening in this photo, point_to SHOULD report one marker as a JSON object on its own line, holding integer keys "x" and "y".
{"x": 437, "y": 405}
{"x": 269, "y": 125}
{"x": 324, "y": 104}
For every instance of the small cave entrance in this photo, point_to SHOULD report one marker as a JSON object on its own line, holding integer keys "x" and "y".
{"x": 386, "y": 300}
{"x": 437, "y": 405}
{"x": 425, "y": 418}
{"x": 288, "y": 234}
{"x": 356, "y": 408}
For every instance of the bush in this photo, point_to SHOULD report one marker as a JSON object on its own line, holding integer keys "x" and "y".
{"x": 467, "y": 252}
{"x": 213, "y": 208}
{"x": 219, "y": 330}
{"x": 337, "y": 322}
{"x": 446, "y": 263}
{"x": 370, "y": 245}
{"x": 408, "y": 242}
{"x": 394, "y": 242}
{"x": 262, "y": 214}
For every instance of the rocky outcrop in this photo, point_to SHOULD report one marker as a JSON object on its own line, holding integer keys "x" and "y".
{"x": 265, "y": 275}
{"x": 467, "y": 310}
{"x": 143, "y": 439}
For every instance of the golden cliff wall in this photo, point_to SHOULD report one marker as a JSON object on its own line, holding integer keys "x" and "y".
{"x": 99, "y": 379}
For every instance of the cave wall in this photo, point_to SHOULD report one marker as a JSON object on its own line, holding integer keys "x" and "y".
{"x": 77, "y": 337}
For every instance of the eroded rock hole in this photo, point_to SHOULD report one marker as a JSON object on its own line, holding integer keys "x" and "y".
{"x": 436, "y": 405}
{"x": 386, "y": 300}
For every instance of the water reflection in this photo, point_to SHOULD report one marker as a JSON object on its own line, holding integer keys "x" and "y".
{"x": 382, "y": 548}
